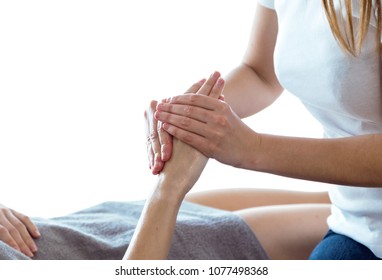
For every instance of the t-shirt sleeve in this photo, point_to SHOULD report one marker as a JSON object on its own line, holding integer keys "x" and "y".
{"x": 267, "y": 3}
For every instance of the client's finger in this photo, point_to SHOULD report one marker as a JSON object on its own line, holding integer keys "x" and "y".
{"x": 15, "y": 235}
{"x": 27, "y": 231}
{"x": 31, "y": 227}
{"x": 209, "y": 84}
{"x": 195, "y": 87}
{"x": 217, "y": 89}
{"x": 23, "y": 238}
{"x": 7, "y": 238}
{"x": 153, "y": 144}
{"x": 165, "y": 140}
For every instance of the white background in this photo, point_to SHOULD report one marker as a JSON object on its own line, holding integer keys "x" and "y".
{"x": 76, "y": 77}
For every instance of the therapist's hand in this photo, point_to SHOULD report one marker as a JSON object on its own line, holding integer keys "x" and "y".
{"x": 186, "y": 164}
{"x": 159, "y": 141}
{"x": 18, "y": 231}
{"x": 210, "y": 126}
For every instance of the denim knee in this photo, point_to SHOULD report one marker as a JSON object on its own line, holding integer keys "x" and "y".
{"x": 336, "y": 246}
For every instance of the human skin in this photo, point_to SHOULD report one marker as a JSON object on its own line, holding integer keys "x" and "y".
{"x": 153, "y": 234}
{"x": 301, "y": 217}
{"x": 216, "y": 131}
{"x": 288, "y": 224}
{"x": 249, "y": 88}
{"x": 215, "y": 128}
{"x": 18, "y": 231}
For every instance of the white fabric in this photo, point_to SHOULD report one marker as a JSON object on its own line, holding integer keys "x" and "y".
{"x": 267, "y": 3}
{"x": 343, "y": 93}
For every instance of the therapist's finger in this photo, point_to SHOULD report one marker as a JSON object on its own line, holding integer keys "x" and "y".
{"x": 165, "y": 139}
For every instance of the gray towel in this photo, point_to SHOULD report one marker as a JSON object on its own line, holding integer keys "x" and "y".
{"x": 103, "y": 232}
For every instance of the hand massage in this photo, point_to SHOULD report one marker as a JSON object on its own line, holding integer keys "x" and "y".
{"x": 328, "y": 54}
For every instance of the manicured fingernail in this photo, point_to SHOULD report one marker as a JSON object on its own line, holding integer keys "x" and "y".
{"x": 34, "y": 248}
{"x": 215, "y": 74}
{"x": 29, "y": 254}
{"x": 37, "y": 233}
{"x": 165, "y": 126}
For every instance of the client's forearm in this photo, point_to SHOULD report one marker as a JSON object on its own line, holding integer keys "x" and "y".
{"x": 153, "y": 236}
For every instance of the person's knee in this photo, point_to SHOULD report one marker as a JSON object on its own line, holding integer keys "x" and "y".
{"x": 340, "y": 247}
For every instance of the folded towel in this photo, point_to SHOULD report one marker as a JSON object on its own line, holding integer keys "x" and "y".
{"x": 103, "y": 232}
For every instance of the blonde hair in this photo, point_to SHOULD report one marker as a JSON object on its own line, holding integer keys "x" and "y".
{"x": 350, "y": 38}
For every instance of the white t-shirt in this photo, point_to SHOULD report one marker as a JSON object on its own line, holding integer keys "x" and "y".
{"x": 342, "y": 92}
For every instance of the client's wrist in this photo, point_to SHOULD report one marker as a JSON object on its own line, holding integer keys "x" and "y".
{"x": 181, "y": 172}
{"x": 171, "y": 187}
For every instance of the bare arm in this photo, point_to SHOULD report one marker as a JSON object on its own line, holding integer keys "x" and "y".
{"x": 218, "y": 132}
{"x": 253, "y": 85}
{"x": 355, "y": 161}
{"x": 153, "y": 235}
{"x": 249, "y": 88}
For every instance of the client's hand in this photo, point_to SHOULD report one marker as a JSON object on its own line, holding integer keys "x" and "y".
{"x": 159, "y": 141}
{"x": 187, "y": 163}
{"x": 153, "y": 235}
{"x": 18, "y": 231}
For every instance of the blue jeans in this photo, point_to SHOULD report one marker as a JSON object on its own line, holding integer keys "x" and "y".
{"x": 336, "y": 246}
